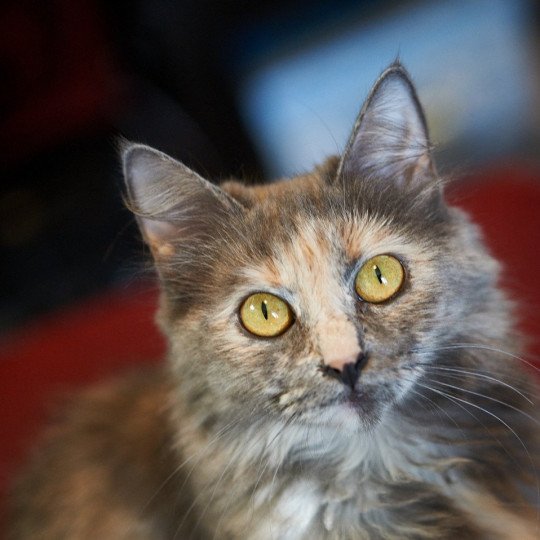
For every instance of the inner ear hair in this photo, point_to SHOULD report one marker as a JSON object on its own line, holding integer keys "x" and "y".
{"x": 389, "y": 141}
{"x": 173, "y": 204}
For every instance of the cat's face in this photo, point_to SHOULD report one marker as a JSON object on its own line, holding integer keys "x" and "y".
{"x": 335, "y": 334}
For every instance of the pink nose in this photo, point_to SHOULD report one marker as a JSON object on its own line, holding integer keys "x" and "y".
{"x": 347, "y": 369}
{"x": 340, "y": 363}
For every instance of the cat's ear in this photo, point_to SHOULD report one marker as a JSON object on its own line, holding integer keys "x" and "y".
{"x": 389, "y": 141}
{"x": 173, "y": 204}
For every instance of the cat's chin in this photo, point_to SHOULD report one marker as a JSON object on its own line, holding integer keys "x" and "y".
{"x": 354, "y": 413}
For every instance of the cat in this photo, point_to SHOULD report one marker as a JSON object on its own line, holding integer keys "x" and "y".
{"x": 342, "y": 364}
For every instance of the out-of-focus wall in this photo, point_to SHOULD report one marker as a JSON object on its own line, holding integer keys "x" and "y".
{"x": 473, "y": 62}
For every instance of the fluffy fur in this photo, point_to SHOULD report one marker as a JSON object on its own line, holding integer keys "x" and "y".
{"x": 248, "y": 438}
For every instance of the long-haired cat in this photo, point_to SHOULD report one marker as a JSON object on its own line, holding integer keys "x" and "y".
{"x": 341, "y": 364}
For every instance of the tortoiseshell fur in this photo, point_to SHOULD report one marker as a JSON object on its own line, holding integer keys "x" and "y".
{"x": 247, "y": 438}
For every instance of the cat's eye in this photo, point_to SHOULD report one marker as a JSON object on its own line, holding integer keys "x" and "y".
{"x": 266, "y": 315}
{"x": 379, "y": 279}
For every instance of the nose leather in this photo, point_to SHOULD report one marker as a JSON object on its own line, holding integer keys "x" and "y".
{"x": 340, "y": 363}
{"x": 348, "y": 372}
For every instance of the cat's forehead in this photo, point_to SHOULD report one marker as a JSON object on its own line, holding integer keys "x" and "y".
{"x": 311, "y": 234}
{"x": 317, "y": 248}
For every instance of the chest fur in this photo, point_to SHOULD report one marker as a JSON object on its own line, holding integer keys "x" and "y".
{"x": 401, "y": 491}
{"x": 304, "y": 511}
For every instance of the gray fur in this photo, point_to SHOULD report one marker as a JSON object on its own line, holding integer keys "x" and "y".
{"x": 439, "y": 438}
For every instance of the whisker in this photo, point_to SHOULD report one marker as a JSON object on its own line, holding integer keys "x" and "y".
{"x": 479, "y": 394}
{"x": 473, "y": 374}
{"x": 457, "y": 346}
{"x": 486, "y": 411}
{"x": 526, "y": 450}
{"x": 440, "y": 409}
{"x": 456, "y": 402}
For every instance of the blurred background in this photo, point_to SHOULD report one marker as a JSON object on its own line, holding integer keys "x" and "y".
{"x": 256, "y": 90}
{"x": 252, "y": 89}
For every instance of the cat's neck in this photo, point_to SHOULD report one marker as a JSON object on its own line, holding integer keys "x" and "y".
{"x": 330, "y": 453}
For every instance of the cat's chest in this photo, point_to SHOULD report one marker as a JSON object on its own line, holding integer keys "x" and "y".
{"x": 306, "y": 509}
{"x": 313, "y": 502}
{"x": 292, "y": 513}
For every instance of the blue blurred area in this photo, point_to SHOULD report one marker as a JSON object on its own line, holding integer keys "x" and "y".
{"x": 471, "y": 61}
{"x": 231, "y": 88}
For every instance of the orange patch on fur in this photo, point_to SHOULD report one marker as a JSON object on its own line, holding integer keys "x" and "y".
{"x": 338, "y": 342}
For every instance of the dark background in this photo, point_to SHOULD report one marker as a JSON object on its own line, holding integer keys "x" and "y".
{"x": 77, "y": 74}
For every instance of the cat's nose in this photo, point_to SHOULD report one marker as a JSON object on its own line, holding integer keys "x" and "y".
{"x": 346, "y": 370}
{"x": 340, "y": 363}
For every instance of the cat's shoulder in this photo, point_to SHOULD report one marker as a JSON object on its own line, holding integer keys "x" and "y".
{"x": 106, "y": 456}
{"x": 133, "y": 402}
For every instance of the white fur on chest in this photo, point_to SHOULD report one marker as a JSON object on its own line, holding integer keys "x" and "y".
{"x": 349, "y": 505}
{"x": 292, "y": 515}
{"x": 306, "y": 506}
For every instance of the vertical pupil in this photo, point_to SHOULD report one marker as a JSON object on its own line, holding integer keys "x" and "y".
{"x": 378, "y": 273}
{"x": 264, "y": 309}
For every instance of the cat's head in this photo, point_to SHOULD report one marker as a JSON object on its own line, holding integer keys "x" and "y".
{"x": 318, "y": 298}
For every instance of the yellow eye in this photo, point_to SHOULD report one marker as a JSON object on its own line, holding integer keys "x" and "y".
{"x": 266, "y": 315}
{"x": 379, "y": 279}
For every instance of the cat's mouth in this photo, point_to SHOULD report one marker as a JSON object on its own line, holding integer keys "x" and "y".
{"x": 356, "y": 398}
{"x": 359, "y": 406}
{"x": 361, "y": 400}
